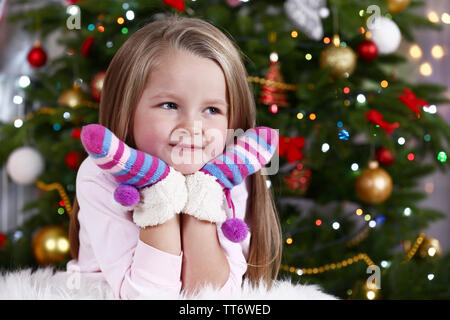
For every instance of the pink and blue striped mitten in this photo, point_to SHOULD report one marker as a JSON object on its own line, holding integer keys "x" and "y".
{"x": 251, "y": 151}
{"x": 135, "y": 170}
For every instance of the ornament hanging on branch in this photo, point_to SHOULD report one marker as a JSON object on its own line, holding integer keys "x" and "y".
{"x": 307, "y": 15}
{"x": 291, "y": 147}
{"x": 341, "y": 59}
{"x": 272, "y": 93}
{"x": 50, "y": 245}
{"x": 25, "y": 165}
{"x": 97, "y": 85}
{"x": 396, "y": 6}
{"x": 73, "y": 97}
{"x": 37, "y": 56}
{"x": 376, "y": 117}
{"x": 384, "y": 156}
{"x": 367, "y": 50}
{"x": 298, "y": 179}
{"x": 177, "y": 4}
{"x": 410, "y": 100}
{"x": 385, "y": 34}
{"x": 423, "y": 247}
{"x": 374, "y": 185}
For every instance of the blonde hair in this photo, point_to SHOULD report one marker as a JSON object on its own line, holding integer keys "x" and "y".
{"x": 124, "y": 84}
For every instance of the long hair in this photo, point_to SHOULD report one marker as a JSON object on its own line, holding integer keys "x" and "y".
{"x": 124, "y": 84}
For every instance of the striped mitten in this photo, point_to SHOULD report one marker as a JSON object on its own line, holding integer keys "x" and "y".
{"x": 206, "y": 187}
{"x": 147, "y": 184}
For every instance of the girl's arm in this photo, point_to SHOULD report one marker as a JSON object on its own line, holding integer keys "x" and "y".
{"x": 203, "y": 258}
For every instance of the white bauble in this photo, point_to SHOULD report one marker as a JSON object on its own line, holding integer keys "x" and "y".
{"x": 24, "y": 165}
{"x": 385, "y": 34}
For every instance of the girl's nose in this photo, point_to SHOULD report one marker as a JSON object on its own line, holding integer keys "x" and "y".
{"x": 188, "y": 130}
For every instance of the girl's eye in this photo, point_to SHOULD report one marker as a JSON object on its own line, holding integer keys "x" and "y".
{"x": 167, "y": 103}
{"x": 216, "y": 110}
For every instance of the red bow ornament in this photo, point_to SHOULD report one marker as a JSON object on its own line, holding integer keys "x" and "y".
{"x": 177, "y": 4}
{"x": 377, "y": 118}
{"x": 411, "y": 101}
{"x": 291, "y": 147}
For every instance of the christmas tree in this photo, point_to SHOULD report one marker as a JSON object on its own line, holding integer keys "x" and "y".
{"x": 355, "y": 134}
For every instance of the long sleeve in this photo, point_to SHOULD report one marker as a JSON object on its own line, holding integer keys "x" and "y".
{"x": 110, "y": 244}
{"x": 236, "y": 253}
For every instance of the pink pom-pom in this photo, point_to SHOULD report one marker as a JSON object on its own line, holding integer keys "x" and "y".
{"x": 126, "y": 195}
{"x": 235, "y": 230}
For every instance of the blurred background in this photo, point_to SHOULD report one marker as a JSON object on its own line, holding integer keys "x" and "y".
{"x": 317, "y": 71}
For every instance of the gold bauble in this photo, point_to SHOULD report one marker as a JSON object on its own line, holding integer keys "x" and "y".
{"x": 396, "y": 6}
{"x": 374, "y": 184}
{"x": 430, "y": 247}
{"x": 73, "y": 97}
{"x": 341, "y": 59}
{"x": 50, "y": 245}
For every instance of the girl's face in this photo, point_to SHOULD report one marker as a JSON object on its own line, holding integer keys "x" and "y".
{"x": 181, "y": 116}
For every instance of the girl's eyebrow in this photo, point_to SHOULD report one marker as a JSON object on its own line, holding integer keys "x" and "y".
{"x": 172, "y": 95}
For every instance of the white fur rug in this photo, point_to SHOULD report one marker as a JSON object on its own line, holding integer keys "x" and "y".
{"x": 46, "y": 284}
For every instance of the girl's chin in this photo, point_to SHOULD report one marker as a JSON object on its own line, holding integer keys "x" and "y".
{"x": 187, "y": 168}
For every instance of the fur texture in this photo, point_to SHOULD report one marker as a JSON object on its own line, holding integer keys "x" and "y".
{"x": 161, "y": 201}
{"x": 46, "y": 284}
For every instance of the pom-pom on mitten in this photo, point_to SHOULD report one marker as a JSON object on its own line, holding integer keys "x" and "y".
{"x": 206, "y": 187}
{"x": 147, "y": 184}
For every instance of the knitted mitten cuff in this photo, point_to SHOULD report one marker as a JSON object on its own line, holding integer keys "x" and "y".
{"x": 161, "y": 201}
{"x": 205, "y": 198}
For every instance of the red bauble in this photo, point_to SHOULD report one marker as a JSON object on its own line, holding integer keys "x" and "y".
{"x": 37, "y": 57}
{"x": 97, "y": 85}
{"x": 76, "y": 132}
{"x": 73, "y": 160}
{"x": 368, "y": 50}
{"x": 384, "y": 156}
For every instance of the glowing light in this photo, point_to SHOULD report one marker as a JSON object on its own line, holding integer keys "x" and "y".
{"x": 66, "y": 115}
{"x": 124, "y": 30}
{"x": 401, "y": 141}
{"x": 101, "y": 28}
{"x": 367, "y": 217}
{"x": 372, "y": 223}
{"x": 273, "y": 108}
{"x": 335, "y": 225}
{"x": 294, "y": 34}
{"x": 343, "y": 134}
{"x": 312, "y": 116}
{"x": 415, "y": 51}
{"x": 120, "y": 20}
{"x": 430, "y": 109}
{"x": 445, "y": 17}
{"x": 425, "y": 69}
{"x": 431, "y": 252}
{"x": 442, "y": 156}
{"x": 411, "y": 156}
{"x": 63, "y": 245}
{"x": 273, "y": 57}
{"x": 427, "y": 137}
{"x": 429, "y": 187}
{"x": 407, "y": 212}
{"x": 370, "y": 295}
{"x": 433, "y": 17}
{"x": 430, "y": 276}
{"x": 300, "y": 116}
{"x": 129, "y": 15}
{"x": 17, "y": 99}
{"x": 326, "y": 40}
{"x": 355, "y": 167}
{"x": 18, "y": 123}
{"x": 361, "y": 98}
{"x": 24, "y": 81}
{"x": 325, "y": 147}
{"x": 60, "y": 211}
{"x": 384, "y": 84}
{"x": 361, "y": 13}
{"x": 50, "y": 244}
{"x": 308, "y": 56}
{"x": 359, "y": 211}
{"x": 346, "y": 90}
{"x": 437, "y": 52}
{"x": 318, "y": 222}
{"x": 289, "y": 241}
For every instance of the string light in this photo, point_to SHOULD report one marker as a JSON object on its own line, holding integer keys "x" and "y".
{"x": 430, "y": 109}
{"x": 289, "y": 241}
{"x": 415, "y": 51}
{"x": 355, "y": 167}
{"x": 442, "y": 156}
{"x": 411, "y": 156}
{"x": 91, "y": 27}
{"x": 308, "y": 56}
{"x": 425, "y": 69}
{"x": 445, "y": 17}
{"x": 300, "y": 115}
{"x": 318, "y": 222}
{"x": 17, "y": 99}
{"x": 407, "y": 212}
{"x": 335, "y": 225}
{"x": 24, "y": 81}
{"x": 18, "y": 123}
{"x": 294, "y": 34}
{"x": 384, "y": 83}
{"x": 359, "y": 211}
{"x": 401, "y": 141}
{"x": 120, "y": 20}
{"x": 343, "y": 134}
{"x": 326, "y": 40}
{"x": 361, "y": 98}
{"x": 437, "y": 51}
{"x": 433, "y": 17}
{"x": 427, "y": 137}
{"x": 325, "y": 147}
{"x": 346, "y": 90}
{"x": 273, "y": 108}
{"x": 129, "y": 15}
{"x": 312, "y": 116}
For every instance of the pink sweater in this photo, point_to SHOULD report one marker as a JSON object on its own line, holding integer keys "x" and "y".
{"x": 110, "y": 247}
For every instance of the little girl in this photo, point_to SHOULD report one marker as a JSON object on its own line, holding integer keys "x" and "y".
{"x": 174, "y": 78}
